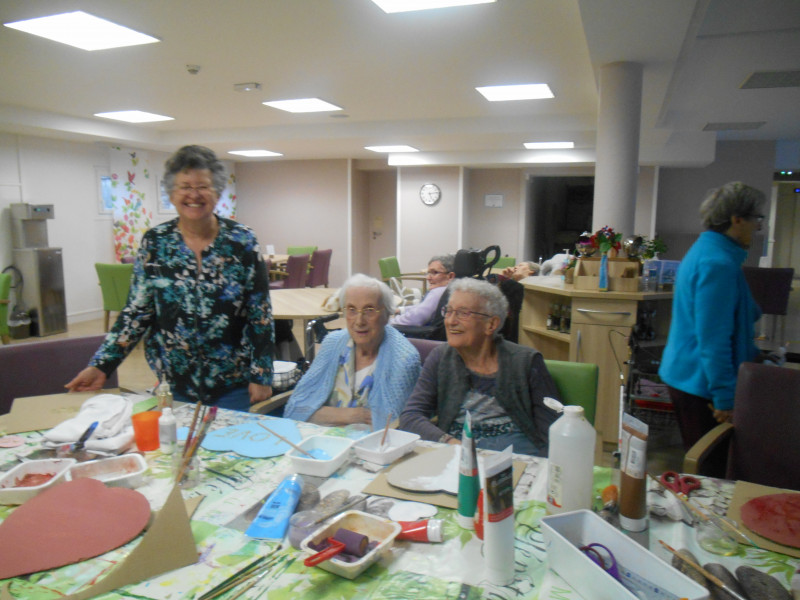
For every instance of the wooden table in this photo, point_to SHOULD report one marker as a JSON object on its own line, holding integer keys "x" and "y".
{"x": 300, "y": 303}
{"x": 277, "y": 260}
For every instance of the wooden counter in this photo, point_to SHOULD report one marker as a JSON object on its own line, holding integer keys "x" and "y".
{"x": 600, "y": 325}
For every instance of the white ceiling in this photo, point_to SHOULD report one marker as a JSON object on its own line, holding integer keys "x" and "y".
{"x": 405, "y": 78}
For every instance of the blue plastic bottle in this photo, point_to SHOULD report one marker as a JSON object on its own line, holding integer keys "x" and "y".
{"x": 272, "y": 520}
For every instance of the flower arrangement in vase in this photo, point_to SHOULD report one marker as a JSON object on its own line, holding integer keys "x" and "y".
{"x": 606, "y": 240}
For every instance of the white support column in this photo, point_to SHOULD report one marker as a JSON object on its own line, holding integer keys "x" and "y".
{"x": 617, "y": 166}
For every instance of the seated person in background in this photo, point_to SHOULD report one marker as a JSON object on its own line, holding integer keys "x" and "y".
{"x": 521, "y": 270}
{"x": 555, "y": 265}
{"x": 502, "y": 384}
{"x": 362, "y": 374}
{"x": 440, "y": 273}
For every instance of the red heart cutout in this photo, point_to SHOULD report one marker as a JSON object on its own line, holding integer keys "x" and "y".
{"x": 68, "y": 523}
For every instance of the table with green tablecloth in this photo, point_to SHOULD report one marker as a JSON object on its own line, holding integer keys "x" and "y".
{"x": 230, "y": 484}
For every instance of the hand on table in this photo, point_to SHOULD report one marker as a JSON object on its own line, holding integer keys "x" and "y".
{"x": 88, "y": 380}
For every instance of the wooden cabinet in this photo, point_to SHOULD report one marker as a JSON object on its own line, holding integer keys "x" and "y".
{"x": 600, "y": 325}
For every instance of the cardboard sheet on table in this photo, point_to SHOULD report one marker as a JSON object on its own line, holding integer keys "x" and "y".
{"x": 381, "y": 487}
{"x": 168, "y": 544}
{"x": 35, "y": 413}
{"x": 743, "y": 492}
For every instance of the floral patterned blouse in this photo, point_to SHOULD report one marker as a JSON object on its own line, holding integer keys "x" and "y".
{"x": 206, "y": 330}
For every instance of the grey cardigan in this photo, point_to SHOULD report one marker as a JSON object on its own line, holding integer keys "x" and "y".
{"x": 522, "y": 384}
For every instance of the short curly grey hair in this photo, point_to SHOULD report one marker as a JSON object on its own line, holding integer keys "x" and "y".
{"x": 359, "y": 280}
{"x": 195, "y": 157}
{"x": 448, "y": 261}
{"x": 734, "y": 199}
{"x": 493, "y": 300}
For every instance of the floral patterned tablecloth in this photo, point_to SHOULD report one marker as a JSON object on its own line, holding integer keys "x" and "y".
{"x": 454, "y": 569}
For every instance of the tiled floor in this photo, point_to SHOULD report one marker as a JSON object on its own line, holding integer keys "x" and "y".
{"x": 664, "y": 449}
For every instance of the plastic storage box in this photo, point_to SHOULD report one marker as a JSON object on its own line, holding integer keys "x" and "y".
{"x": 564, "y": 535}
{"x": 375, "y": 528}
{"x": 337, "y": 448}
{"x": 10, "y": 493}
{"x": 398, "y": 443}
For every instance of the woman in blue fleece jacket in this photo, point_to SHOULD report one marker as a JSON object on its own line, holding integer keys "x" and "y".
{"x": 713, "y": 313}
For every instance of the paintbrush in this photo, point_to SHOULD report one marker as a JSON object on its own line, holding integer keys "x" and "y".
{"x": 242, "y": 575}
{"x": 190, "y": 435}
{"x": 283, "y": 439}
{"x": 385, "y": 431}
{"x": 708, "y": 575}
{"x": 189, "y": 453}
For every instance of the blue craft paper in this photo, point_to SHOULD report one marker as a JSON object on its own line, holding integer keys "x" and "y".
{"x": 253, "y": 441}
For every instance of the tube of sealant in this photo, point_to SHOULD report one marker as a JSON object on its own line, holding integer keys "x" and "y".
{"x": 273, "y": 520}
{"x": 498, "y": 527}
{"x": 633, "y": 486}
{"x": 468, "y": 482}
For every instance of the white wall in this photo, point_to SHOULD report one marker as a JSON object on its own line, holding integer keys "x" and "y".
{"x": 680, "y": 192}
{"x": 297, "y": 203}
{"x": 487, "y": 226}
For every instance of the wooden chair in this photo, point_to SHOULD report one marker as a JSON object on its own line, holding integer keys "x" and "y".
{"x": 762, "y": 444}
{"x": 320, "y": 265}
{"x": 576, "y": 383}
{"x": 40, "y": 368}
{"x": 115, "y": 283}
{"x": 296, "y": 273}
{"x": 292, "y": 250}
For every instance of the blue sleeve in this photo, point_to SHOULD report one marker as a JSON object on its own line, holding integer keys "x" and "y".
{"x": 715, "y": 304}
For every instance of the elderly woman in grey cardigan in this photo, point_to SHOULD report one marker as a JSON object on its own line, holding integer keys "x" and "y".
{"x": 501, "y": 384}
{"x": 362, "y": 374}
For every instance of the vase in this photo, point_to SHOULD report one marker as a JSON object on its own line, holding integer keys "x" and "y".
{"x": 602, "y": 283}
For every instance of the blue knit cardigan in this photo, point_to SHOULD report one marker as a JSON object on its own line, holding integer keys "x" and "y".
{"x": 397, "y": 368}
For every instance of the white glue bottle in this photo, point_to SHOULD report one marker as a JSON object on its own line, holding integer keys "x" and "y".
{"x": 570, "y": 462}
{"x": 167, "y": 431}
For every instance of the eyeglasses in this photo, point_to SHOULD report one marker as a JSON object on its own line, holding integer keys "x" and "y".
{"x": 351, "y": 312}
{"x": 203, "y": 190}
{"x": 433, "y": 273}
{"x": 756, "y": 218}
{"x": 462, "y": 313}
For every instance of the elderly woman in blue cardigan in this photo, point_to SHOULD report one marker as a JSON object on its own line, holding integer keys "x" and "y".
{"x": 362, "y": 374}
{"x": 713, "y": 313}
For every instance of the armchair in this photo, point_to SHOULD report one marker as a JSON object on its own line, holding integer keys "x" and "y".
{"x": 115, "y": 283}
{"x": 762, "y": 443}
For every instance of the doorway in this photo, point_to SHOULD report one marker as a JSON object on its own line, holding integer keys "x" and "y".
{"x": 561, "y": 210}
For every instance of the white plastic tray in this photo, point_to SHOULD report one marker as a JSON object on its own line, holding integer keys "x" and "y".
{"x": 564, "y": 534}
{"x": 398, "y": 444}
{"x": 338, "y": 448}
{"x": 10, "y": 494}
{"x": 126, "y": 470}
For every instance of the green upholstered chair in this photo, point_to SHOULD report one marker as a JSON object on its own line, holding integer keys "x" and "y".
{"x": 505, "y": 261}
{"x": 115, "y": 282}
{"x": 576, "y": 383}
{"x": 5, "y": 291}
{"x": 390, "y": 269}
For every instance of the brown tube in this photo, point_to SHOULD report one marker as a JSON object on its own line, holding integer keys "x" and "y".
{"x": 633, "y": 484}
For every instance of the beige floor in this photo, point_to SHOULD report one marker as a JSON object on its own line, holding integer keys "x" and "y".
{"x": 663, "y": 453}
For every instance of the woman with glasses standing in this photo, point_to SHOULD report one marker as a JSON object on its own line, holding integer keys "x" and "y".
{"x": 200, "y": 297}
{"x": 440, "y": 273}
{"x": 501, "y": 384}
{"x": 713, "y": 313}
{"x": 362, "y": 374}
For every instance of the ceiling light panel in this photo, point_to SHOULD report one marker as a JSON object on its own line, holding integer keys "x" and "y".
{"x": 82, "y": 30}
{"x": 527, "y": 91}
{"x": 398, "y": 148}
{"x": 133, "y": 116}
{"x": 394, "y": 6}
{"x": 255, "y": 153}
{"x": 548, "y": 145}
{"x": 303, "y": 105}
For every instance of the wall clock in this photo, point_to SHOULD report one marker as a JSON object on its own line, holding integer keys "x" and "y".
{"x": 430, "y": 194}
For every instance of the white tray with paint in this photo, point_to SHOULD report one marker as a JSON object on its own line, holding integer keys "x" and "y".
{"x": 126, "y": 470}
{"x": 11, "y": 493}
{"x": 398, "y": 444}
{"x": 337, "y": 448}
